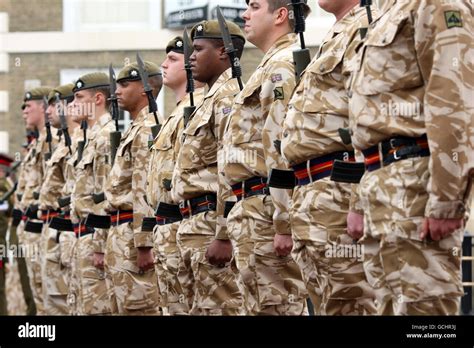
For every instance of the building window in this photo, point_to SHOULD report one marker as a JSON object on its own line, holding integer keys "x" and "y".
{"x": 111, "y": 15}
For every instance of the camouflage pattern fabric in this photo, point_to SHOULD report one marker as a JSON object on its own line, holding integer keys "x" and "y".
{"x": 400, "y": 89}
{"x": 318, "y": 108}
{"x": 250, "y": 150}
{"x": 135, "y": 293}
{"x": 90, "y": 176}
{"x": 195, "y": 175}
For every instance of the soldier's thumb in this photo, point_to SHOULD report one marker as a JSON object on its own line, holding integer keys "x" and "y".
{"x": 425, "y": 230}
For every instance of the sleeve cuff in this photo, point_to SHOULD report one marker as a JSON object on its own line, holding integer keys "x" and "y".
{"x": 445, "y": 210}
{"x": 143, "y": 239}
{"x": 221, "y": 229}
{"x": 282, "y": 227}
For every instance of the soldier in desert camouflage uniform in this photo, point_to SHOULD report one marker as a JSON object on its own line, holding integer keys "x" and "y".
{"x": 411, "y": 116}
{"x": 67, "y": 238}
{"x": 6, "y": 185}
{"x": 54, "y": 276}
{"x": 19, "y": 295}
{"x": 318, "y": 108}
{"x": 90, "y": 176}
{"x": 196, "y": 183}
{"x": 258, "y": 223}
{"x": 34, "y": 170}
{"x": 128, "y": 255}
{"x": 163, "y": 158}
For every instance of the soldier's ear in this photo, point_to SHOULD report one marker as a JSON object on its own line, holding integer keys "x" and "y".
{"x": 281, "y": 15}
{"x": 222, "y": 53}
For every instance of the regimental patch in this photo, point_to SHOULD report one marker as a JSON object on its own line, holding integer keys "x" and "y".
{"x": 276, "y": 78}
{"x": 279, "y": 94}
{"x": 227, "y": 110}
{"x": 453, "y": 19}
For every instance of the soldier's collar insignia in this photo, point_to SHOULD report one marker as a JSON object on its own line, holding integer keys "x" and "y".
{"x": 133, "y": 73}
{"x": 179, "y": 44}
{"x": 453, "y": 19}
{"x": 79, "y": 84}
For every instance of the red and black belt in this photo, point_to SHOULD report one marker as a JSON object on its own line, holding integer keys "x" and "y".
{"x": 167, "y": 214}
{"x": 82, "y": 230}
{"x": 395, "y": 149}
{"x": 320, "y": 167}
{"x": 251, "y": 187}
{"x": 149, "y": 223}
{"x": 33, "y": 227}
{"x": 48, "y": 215}
{"x": 120, "y": 217}
{"x": 197, "y": 205}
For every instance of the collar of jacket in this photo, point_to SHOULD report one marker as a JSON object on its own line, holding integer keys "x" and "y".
{"x": 282, "y": 43}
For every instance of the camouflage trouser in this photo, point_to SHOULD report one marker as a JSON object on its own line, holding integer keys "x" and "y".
{"x": 19, "y": 295}
{"x": 32, "y": 249}
{"x": 274, "y": 282}
{"x": 134, "y": 293}
{"x": 410, "y": 276}
{"x": 210, "y": 290}
{"x": 54, "y": 275}
{"x": 330, "y": 262}
{"x": 167, "y": 262}
{"x": 67, "y": 242}
{"x": 243, "y": 248}
{"x": 93, "y": 289}
{"x": 16, "y": 304}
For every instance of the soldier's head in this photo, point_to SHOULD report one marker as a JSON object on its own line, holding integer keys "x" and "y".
{"x": 33, "y": 113}
{"x": 66, "y": 96}
{"x": 209, "y": 59}
{"x": 338, "y": 7}
{"x": 172, "y": 67}
{"x": 91, "y": 96}
{"x": 130, "y": 92}
{"x": 268, "y": 20}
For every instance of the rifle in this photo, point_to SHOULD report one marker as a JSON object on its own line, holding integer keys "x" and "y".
{"x": 49, "y": 137}
{"x": 8, "y": 194}
{"x": 114, "y": 136}
{"x": 149, "y": 92}
{"x": 301, "y": 57}
{"x": 188, "y": 51}
{"x": 64, "y": 128}
{"x": 229, "y": 48}
{"x": 81, "y": 144}
{"x": 367, "y": 4}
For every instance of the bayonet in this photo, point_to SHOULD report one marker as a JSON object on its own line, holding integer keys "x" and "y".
{"x": 114, "y": 136}
{"x": 62, "y": 118}
{"x": 229, "y": 48}
{"x": 188, "y": 51}
{"x": 149, "y": 92}
{"x": 49, "y": 137}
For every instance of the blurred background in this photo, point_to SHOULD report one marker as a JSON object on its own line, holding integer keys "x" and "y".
{"x": 52, "y": 42}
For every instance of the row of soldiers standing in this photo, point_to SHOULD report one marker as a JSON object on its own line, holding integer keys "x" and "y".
{"x": 249, "y": 199}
